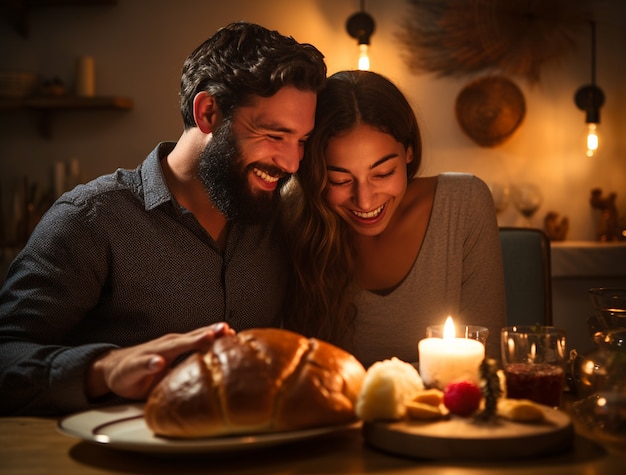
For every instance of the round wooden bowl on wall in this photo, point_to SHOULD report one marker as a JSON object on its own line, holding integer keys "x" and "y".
{"x": 490, "y": 109}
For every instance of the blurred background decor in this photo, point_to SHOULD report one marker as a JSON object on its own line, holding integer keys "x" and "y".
{"x": 490, "y": 109}
{"x": 607, "y": 228}
{"x": 556, "y": 227}
{"x": 137, "y": 78}
{"x": 516, "y": 37}
{"x": 360, "y": 26}
{"x": 589, "y": 98}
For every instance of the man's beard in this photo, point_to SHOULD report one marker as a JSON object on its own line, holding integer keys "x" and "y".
{"x": 226, "y": 180}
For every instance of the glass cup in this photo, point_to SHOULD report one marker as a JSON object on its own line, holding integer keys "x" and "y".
{"x": 534, "y": 360}
{"x": 609, "y": 305}
{"x": 444, "y": 360}
{"x": 473, "y": 332}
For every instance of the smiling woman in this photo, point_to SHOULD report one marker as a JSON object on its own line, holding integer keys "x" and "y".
{"x": 380, "y": 253}
{"x": 368, "y": 186}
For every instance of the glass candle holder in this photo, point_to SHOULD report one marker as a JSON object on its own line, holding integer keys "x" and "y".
{"x": 444, "y": 359}
{"x": 474, "y": 332}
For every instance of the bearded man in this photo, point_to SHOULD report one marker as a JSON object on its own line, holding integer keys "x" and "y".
{"x": 127, "y": 273}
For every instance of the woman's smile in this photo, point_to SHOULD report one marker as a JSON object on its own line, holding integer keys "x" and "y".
{"x": 369, "y": 215}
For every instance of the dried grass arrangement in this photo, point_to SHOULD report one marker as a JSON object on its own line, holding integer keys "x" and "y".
{"x": 516, "y": 37}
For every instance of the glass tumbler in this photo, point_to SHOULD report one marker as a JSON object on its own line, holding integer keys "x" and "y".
{"x": 534, "y": 360}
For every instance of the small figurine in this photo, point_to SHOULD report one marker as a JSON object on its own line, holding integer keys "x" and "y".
{"x": 555, "y": 229}
{"x": 607, "y": 229}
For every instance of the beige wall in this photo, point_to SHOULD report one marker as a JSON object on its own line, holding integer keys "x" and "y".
{"x": 139, "y": 47}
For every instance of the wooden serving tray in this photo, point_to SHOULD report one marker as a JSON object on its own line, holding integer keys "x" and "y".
{"x": 462, "y": 438}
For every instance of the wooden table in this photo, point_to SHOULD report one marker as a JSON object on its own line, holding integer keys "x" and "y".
{"x": 33, "y": 446}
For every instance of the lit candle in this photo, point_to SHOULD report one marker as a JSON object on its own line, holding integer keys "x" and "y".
{"x": 442, "y": 360}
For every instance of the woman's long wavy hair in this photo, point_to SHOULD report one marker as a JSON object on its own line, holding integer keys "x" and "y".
{"x": 321, "y": 298}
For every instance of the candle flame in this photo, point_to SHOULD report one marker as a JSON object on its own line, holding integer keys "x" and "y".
{"x": 448, "y": 329}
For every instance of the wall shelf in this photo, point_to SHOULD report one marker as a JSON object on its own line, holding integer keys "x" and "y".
{"x": 46, "y": 105}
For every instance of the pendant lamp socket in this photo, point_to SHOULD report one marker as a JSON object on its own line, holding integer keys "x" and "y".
{"x": 361, "y": 26}
{"x": 590, "y": 98}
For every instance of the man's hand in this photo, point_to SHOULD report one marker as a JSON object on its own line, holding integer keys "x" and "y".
{"x": 133, "y": 372}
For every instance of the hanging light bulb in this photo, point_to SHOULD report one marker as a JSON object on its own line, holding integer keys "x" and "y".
{"x": 364, "y": 59}
{"x": 590, "y": 98}
{"x": 592, "y": 139}
{"x": 361, "y": 26}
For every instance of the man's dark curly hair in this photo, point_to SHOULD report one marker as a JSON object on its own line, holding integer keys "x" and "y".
{"x": 243, "y": 60}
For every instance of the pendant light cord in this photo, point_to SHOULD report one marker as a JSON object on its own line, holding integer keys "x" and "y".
{"x": 593, "y": 53}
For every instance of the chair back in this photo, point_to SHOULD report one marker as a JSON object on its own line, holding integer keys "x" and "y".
{"x": 527, "y": 276}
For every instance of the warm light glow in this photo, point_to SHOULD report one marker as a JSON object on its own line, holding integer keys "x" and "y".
{"x": 364, "y": 59}
{"x": 592, "y": 139}
{"x": 448, "y": 329}
{"x": 442, "y": 360}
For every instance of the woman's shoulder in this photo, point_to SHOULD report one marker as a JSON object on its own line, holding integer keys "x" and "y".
{"x": 457, "y": 178}
{"x": 461, "y": 184}
{"x": 450, "y": 190}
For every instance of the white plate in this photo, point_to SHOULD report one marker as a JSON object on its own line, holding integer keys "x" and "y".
{"x": 123, "y": 427}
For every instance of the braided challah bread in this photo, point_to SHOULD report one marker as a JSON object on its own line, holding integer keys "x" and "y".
{"x": 259, "y": 380}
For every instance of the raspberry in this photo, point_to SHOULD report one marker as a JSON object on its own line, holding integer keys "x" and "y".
{"x": 462, "y": 398}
